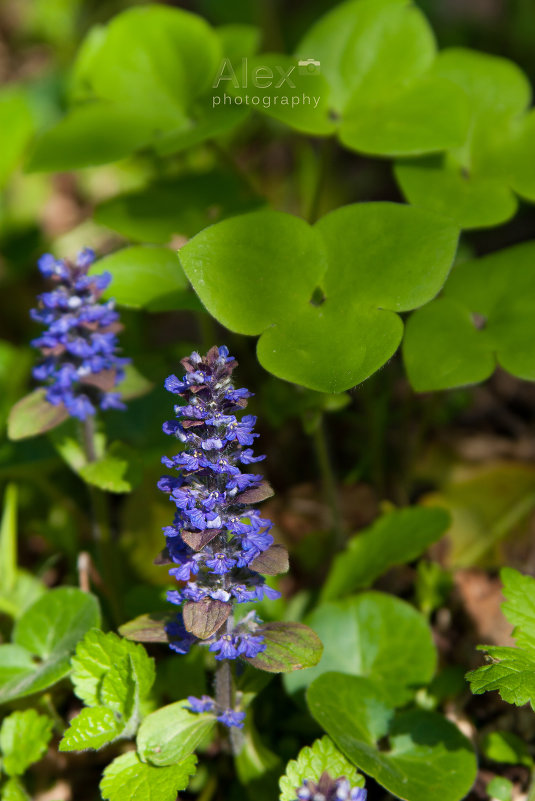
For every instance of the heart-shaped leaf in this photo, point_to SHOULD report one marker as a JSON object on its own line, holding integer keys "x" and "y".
{"x": 426, "y": 755}
{"x": 487, "y": 315}
{"x": 384, "y": 639}
{"x": 172, "y": 733}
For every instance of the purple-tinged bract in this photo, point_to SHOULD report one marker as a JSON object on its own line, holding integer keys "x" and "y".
{"x": 328, "y": 789}
{"x": 80, "y": 365}
{"x": 216, "y": 534}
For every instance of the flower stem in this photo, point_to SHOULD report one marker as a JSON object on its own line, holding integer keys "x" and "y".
{"x": 329, "y": 483}
{"x": 110, "y": 564}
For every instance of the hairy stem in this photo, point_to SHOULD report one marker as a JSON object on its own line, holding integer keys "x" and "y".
{"x": 329, "y": 483}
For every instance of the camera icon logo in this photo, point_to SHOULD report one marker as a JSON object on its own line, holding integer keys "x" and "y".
{"x": 308, "y": 66}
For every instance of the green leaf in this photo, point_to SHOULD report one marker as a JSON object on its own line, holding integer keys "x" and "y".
{"x": 289, "y": 647}
{"x": 172, "y": 733}
{"x": 252, "y": 270}
{"x": 8, "y": 541}
{"x": 375, "y": 56}
{"x": 133, "y": 385}
{"x": 148, "y": 277}
{"x": 119, "y": 470}
{"x": 158, "y": 57}
{"x": 106, "y": 665}
{"x": 273, "y": 84}
{"x": 486, "y": 316}
{"x": 93, "y": 727}
{"x": 13, "y": 790}
{"x": 384, "y": 639}
{"x": 17, "y": 124}
{"x": 396, "y": 538}
{"x": 472, "y": 183}
{"x": 92, "y": 134}
{"x": 438, "y": 184}
{"x": 258, "y": 272}
{"x": 506, "y": 747}
{"x": 44, "y": 638}
{"x": 24, "y": 738}
{"x": 519, "y": 608}
{"x": 34, "y": 415}
{"x": 177, "y": 206}
{"x": 500, "y": 789}
{"x": 312, "y": 761}
{"x": 425, "y": 755}
{"x": 129, "y": 779}
{"x": 511, "y": 673}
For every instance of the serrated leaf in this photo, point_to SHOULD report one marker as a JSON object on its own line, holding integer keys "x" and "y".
{"x": 511, "y": 673}
{"x": 109, "y": 670}
{"x": 289, "y": 647}
{"x": 312, "y": 761}
{"x": 396, "y": 538}
{"x": 44, "y": 638}
{"x": 425, "y": 756}
{"x": 486, "y": 317}
{"x": 172, "y": 733}
{"x": 384, "y": 639}
{"x": 519, "y": 608}
{"x": 34, "y": 415}
{"x": 24, "y": 738}
{"x": 92, "y": 728}
{"x": 129, "y": 779}
{"x": 149, "y": 278}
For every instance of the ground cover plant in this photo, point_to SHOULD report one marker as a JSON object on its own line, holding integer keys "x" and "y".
{"x": 268, "y": 433}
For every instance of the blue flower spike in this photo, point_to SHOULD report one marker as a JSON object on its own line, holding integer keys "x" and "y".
{"x": 328, "y": 789}
{"x": 80, "y": 366}
{"x": 217, "y": 541}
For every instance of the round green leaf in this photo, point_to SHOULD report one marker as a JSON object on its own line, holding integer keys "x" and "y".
{"x": 289, "y": 647}
{"x": 155, "y": 56}
{"x": 330, "y": 348}
{"x": 375, "y": 636}
{"x": 487, "y": 314}
{"x": 441, "y": 186}
{"x": 442, "y": 348}
{"x": 472, "y": 184}
{"x": 425, "y": 755}
{"x": 251, "y": 271}
{"x": 147, "y": 277}
{"x": 387, "y": 255}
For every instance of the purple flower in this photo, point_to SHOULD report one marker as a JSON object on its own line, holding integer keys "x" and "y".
{"x": 203, "y": 704}
{"x": 230, "y": 718}
{"x": 215, "y": 536}
{"x": 328, "y": 789}
{"x": 80, "y": 364}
